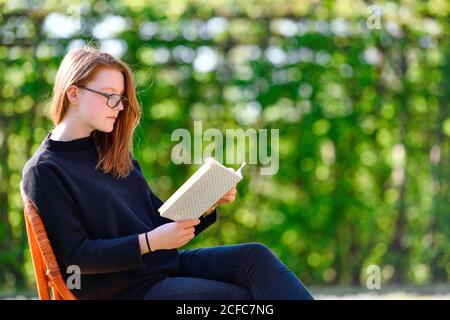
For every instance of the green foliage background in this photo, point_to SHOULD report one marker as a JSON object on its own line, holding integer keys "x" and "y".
{"x": 363, "y": 116}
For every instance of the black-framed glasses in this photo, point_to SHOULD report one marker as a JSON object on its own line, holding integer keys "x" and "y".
{"x": 113, "y": 99}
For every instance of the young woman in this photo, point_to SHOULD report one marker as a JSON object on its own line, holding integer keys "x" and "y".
{"x": 101, "y": 215}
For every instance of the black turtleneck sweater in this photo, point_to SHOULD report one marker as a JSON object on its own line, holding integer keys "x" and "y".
{"x": 93, "y": 220}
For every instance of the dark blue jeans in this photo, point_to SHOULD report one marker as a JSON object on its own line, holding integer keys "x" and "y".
{"x": 248, "y": 271}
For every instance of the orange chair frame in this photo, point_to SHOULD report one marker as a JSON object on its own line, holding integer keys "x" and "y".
{"x": 49, "y": 281}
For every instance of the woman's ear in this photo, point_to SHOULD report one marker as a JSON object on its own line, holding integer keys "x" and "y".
{"x": 72, "y": 94}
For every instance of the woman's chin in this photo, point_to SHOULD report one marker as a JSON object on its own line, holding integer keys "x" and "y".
{"x": 106, "y": 129}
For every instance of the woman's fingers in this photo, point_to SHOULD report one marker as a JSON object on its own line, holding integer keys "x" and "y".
{"x": 187, "y": 231}
{"x": 228, "y": 198}
{"x": 187, "y": 237}
{"x": 230, "y": 195}
{"x": 188, "y": 223}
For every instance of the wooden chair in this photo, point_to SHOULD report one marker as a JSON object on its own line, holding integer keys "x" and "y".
{"x": 46, "y": 270}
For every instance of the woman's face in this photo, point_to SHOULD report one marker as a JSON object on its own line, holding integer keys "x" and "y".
{"x": 92, "y": 107}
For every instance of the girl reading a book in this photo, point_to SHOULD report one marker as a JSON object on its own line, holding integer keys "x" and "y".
{"x": 101, "y": 215}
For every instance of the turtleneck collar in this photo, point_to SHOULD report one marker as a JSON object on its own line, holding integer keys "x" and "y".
{"x": 80, "y": 144}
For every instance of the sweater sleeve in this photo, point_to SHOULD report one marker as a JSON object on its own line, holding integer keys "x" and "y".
{"x": 63, "y": 223}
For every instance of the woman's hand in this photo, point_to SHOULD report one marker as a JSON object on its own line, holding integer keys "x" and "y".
{"x": 177, "y": 234}
{"x": 227, "y": 198}
{"x": 172, "y": 235}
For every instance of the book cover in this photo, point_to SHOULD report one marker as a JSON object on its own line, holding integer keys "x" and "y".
{"x": 201, "y": 191}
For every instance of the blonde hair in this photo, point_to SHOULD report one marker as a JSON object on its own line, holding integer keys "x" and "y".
{"x": 114, "y": 148}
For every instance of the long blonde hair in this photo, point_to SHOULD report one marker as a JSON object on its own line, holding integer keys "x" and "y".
{"x": 114, "y": 148}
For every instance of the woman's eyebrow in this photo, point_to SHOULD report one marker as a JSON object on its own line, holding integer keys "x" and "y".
{"x": 112, "y": 89}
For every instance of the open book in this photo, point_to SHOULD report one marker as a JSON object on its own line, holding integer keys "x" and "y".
{"x": 201, "y": 191}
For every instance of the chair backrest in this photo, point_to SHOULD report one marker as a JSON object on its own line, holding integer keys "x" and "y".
{"x": 46, "y": 270}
